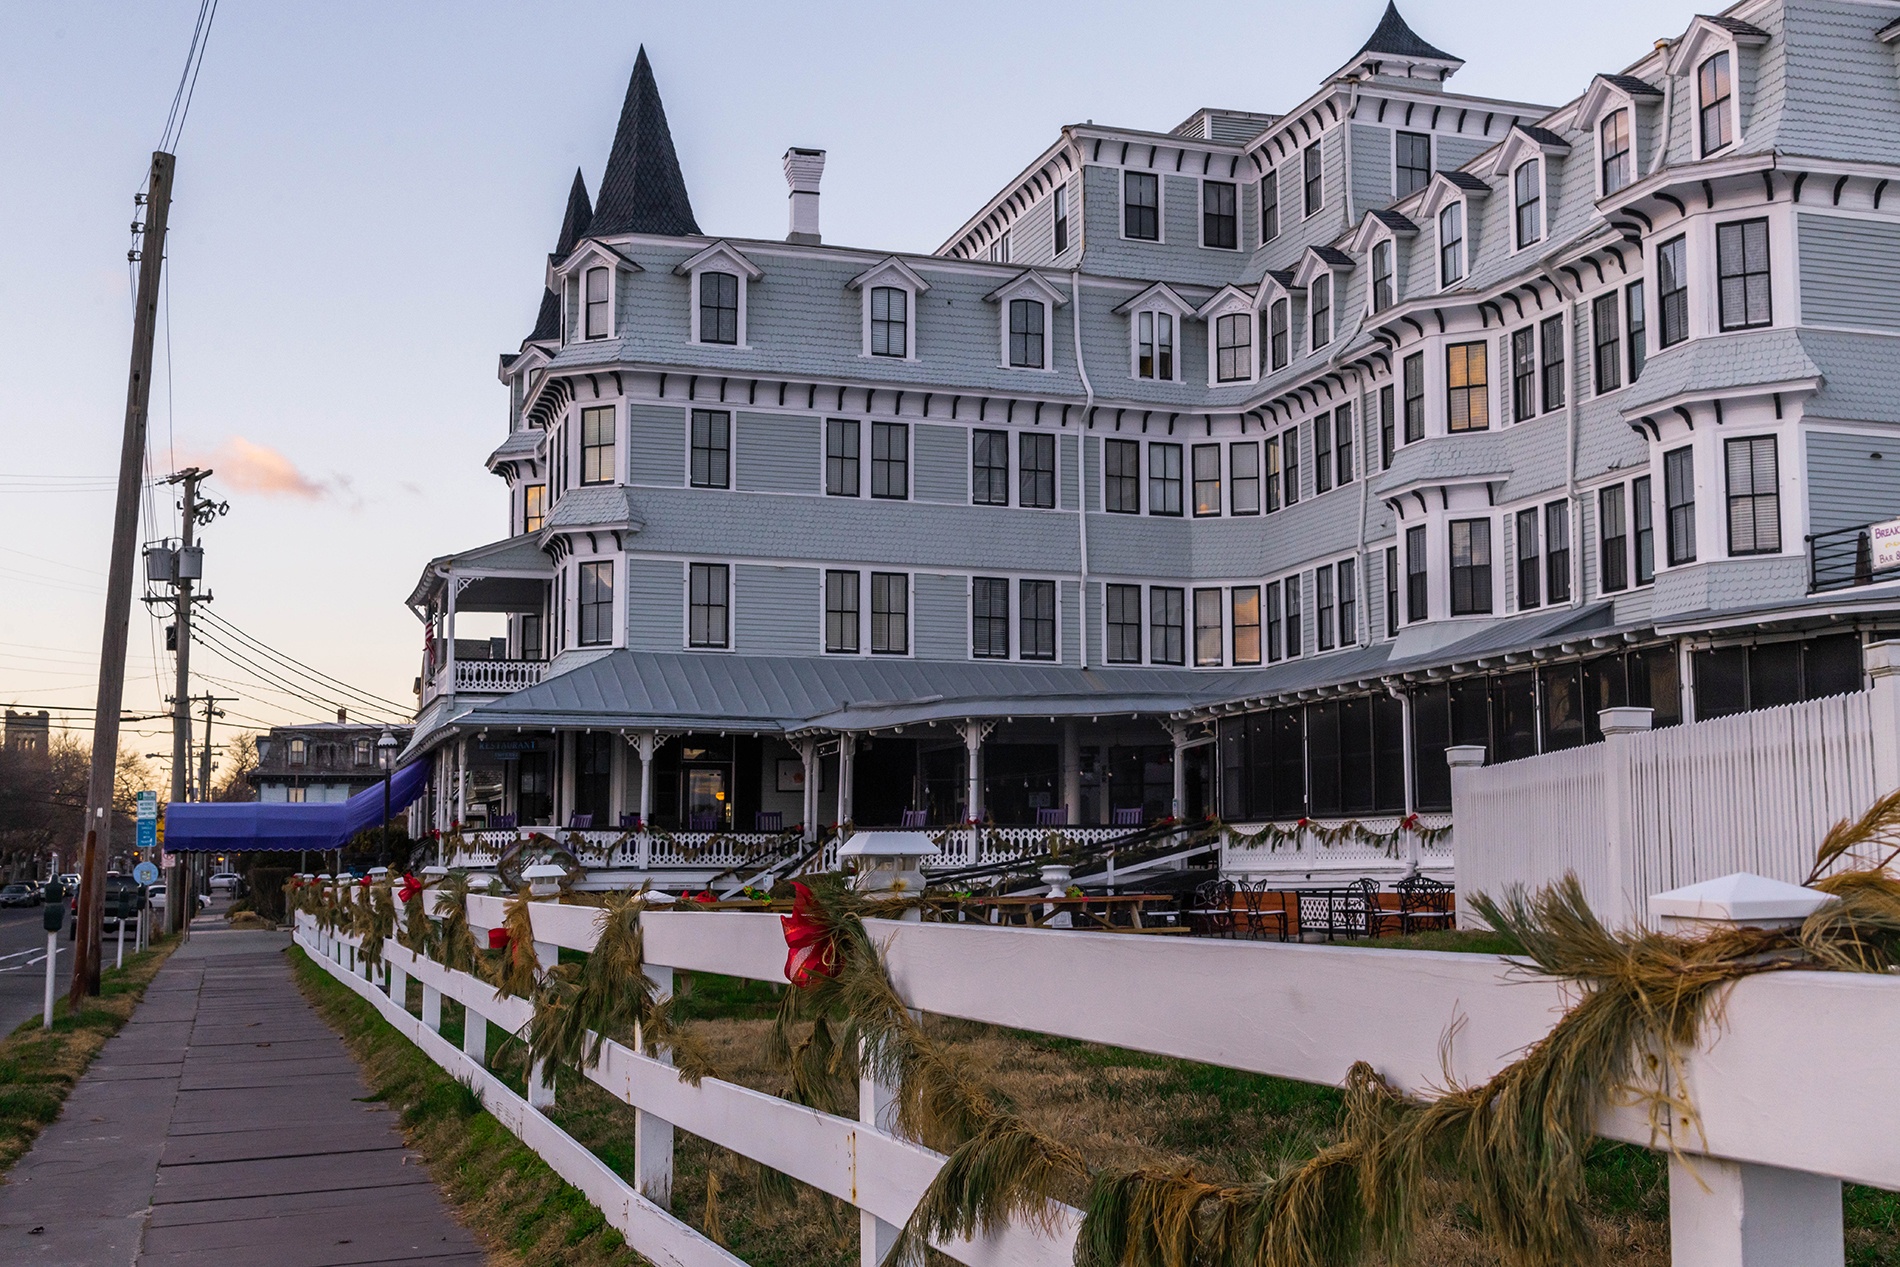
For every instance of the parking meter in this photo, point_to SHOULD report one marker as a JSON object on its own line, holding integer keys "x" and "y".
{"x": 53, "y": 914}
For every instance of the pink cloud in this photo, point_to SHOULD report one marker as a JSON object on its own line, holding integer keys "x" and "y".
{"x": 255, "y": 468}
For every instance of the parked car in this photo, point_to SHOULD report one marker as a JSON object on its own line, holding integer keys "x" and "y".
{"x": 156, "y": 896}
{"x": 121, "y": 890}
{"x": 69, "y": 881}
{"x": 226, "y": 882}
{"x": 20, "y": 895}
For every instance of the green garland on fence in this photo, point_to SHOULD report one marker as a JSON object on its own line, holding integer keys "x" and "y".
{"x": 1350, "y": 832}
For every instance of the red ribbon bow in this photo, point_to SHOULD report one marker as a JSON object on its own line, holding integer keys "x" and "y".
{"x": 410, "y": 887}
{"x": 364, "y": 882}
{"x": 810, "y": 951}
{"x": 498, "y": 939}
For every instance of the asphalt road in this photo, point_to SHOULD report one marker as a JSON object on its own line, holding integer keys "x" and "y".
{"x": 23, "y": 965}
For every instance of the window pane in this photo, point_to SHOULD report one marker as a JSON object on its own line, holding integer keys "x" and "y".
{"x": 718, "y": 308}
{"x": 1219, "y": 221}
{"x": 1164, "y": 479}
{"x": 1233, "y": 339}
{"x": 1037, "y": 639}
{"x": 1141, "y": 200}
{"x": 1207, "y": 500}
{"x": 1166, "y": 624}
{"x": 1025, "y": 333}
{"x": 1679, "y": 504}
{"x": 1269, "y": 207}
{"x": 1557, "y": 552}
{"x": 841, "y": 457}
{"x": 1414, "y": 163}
{"x": 890, "y": 613}
{"x": 889, "y": 321}
{"x": 1527, "y": 188}
{"x": 1314, "y": 188}
{"x": 1470, "y": 567}
{"x": 1121, "y": 476}
{"x": 841, "y": 612}
{"x": 1038, "y": 470}
{"x": 1754, "y": 500}
{"x": 1124, "y": 624}
{"x": 1550, "y": 338}
{"x": 1607, "y": 341}
{"x": 597, "y": 445}
{"x": 1468, "y": 401}
{"x": 989, "y": 618}
{"x": 989, "y": 468}
{"x": 1243, "y": 462}
{"x": 1348, "y": 571}
{"x": 706, "y": 624}
{"x": 1741, "y": 255}
{"x": 1414, "y": 376}
{"x": 1246, "y": 622}
{"x": 1672, "y": 290}
{"x": 712, "y": 449}
{"x": 890, "y": 460}
{"x": 1613, "y": 534}
{"x": 1529, "y": 587}
{"x": 1208, "y": 633}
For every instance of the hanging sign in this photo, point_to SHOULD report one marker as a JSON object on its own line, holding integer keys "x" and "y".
{"x": 1886, "y": 538}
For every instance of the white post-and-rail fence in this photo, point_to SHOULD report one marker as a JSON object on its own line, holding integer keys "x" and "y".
{"x": 1793, "y": 1088}
{"x": 1647, "y": 811}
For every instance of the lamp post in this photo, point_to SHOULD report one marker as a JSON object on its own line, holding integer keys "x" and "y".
{"x": 386, "y": 758}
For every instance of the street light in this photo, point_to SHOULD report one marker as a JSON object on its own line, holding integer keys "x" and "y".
{"x": 386, "y": 758}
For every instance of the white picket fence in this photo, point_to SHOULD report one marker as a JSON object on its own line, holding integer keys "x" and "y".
{"x": 1775, "y": 1140}
{"x": 1649, "y": 811}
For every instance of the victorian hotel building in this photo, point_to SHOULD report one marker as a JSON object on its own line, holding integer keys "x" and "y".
{"x": 1237, "y": 469}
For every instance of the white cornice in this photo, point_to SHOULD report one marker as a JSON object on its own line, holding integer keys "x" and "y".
{"x": 721, "y": 251}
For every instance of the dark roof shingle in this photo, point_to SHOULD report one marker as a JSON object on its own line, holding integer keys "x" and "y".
{"x": 580, "y": 213}
{"x": 642, "y": 190}
{"x": 1395, "y": 37}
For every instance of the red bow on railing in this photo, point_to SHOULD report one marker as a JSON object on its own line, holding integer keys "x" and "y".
{"x": 410, "y": 887}
{"x": 705, "y": 897}
{"x": 365, "y": 882}
{"x": 811, "y": 953}
{"x": 498, "y": 939}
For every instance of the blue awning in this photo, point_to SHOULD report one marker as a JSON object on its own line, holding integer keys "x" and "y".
{"x": 251, "y": 826}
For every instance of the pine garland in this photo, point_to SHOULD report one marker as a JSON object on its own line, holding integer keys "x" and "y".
{"x": 1350, "y": 832}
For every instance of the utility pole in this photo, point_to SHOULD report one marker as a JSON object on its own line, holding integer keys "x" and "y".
{"x": 211, "y": 703}
{"x": 112, "y": 643}
{"x": 181, "y": 693}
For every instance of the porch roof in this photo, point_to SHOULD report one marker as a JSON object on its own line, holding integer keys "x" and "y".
{"x": 517, "y": 558}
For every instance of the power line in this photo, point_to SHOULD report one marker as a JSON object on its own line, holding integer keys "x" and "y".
{"x": 315, "y": 675}
{"x": 272, "y": 679}
{"x": 188, "y": 78}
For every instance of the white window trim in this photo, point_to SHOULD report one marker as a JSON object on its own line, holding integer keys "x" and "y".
{"x": 1543, "y": 207}
{"x": 1229, "y": 301}
{"x": 1627, "y": 106}
{"x": 1200, "y": 231}
{"x": 1015, "y": 580}
{"x": 1359, "y": 595}
{"x": 1161, "y": 205}
{"x": 1317, "y": 145}
{"x": 1703, "y": 40}
{"x": 1391, "y": 242}
{"x": 732, "y": 448}
{"x": 573, "y": 601}
{"x": 569, "y": 281}
{"x": 1432, "y": 167}
{"x": 898, "y": 275}
{"x": 720, "y": 257}
{"x": 1157, "y": 298}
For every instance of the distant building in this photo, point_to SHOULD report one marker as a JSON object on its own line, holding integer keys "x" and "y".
{"x": 29, "y": 735}
{"x": 319, "y": 761}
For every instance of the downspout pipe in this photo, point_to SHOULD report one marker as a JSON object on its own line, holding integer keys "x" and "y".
{"x": 1574, "y": 303}
{"x": 1082, "y": 463}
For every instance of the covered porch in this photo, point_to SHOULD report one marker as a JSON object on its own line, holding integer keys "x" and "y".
{"x": 484, "y": 615}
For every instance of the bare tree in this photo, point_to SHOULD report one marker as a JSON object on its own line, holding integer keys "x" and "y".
{"x": 240, "y": 758}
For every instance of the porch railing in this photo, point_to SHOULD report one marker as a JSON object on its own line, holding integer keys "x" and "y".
{"x": 1419, "y": 841}
{"x": 1843, "y": 559}
{"x": 497, "y": 677}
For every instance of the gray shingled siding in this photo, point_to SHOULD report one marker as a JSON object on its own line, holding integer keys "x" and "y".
{"x": 1452, "y": 152}
{"x": 1834, "y": 93}
{"x": 1069, "y": 622}
{"x": 778, "y": 453}
{"x": 1847, "y": 487}
{"x": 1724, "y": 583}
{"x": 1371, "y": 167}
{"x": 656, "y": 445}
{"x": 940, "y": 463}
{"x": 940, "y": 630}
{"x": 776, "y": 610}
{"x": 1032, "y": 236}
{"x": 1850, "y": 271}
{"x": 1072, "y": 257}
{"x": 1098, "y": 616}
{"x": 1179, "y": 255}
{"x": 1067, "y": 448}
{"x": 703, "y": 525}
{"x": 656, "y": 604}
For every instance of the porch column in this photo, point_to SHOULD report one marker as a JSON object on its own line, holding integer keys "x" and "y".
{"x": 973, "y": 732}
{"x": 448, "y": 635}
{"x": 646, "y": 742}
{"x": 808, "y": 812}
{"x": 461, "y": 781}
{"x": 1180, "y": 770}
{"x": 847, "y": 755}
{"x": 564, "y": 776}
{"x": 1071, "y": 774}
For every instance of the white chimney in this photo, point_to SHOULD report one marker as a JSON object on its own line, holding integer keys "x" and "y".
{"x": 803, "y": 169}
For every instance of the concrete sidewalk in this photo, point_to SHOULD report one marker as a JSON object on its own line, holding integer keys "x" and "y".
{"x": 224, "y": 1125}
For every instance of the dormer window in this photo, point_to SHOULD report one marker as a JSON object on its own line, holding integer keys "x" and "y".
{"x": 1383, "y": 292}
{"x": 718, "y": 308}
{"x": 1141, "y": 206}
{"x": 299, "y": 752}
{"x": 1527, "y": 186}
{"x": 1412, "y": 163}
{"x": 1714, "y": 95}
{"x": 1312, "y": 170}
{"x": 598, "y": 320}
{"x": 888, "y": 291}
{"x": 1319, "y": 302}
{"x": 1220, "y": 218}
{"x": 890, "y": 322}
{"x": 719, "y": 276}
{"x": 1154, "y": 345}
{"x": 1025, "y": 333}
{"x": 1279, "y": 335}
{"x": 1233, "y": 347}
{"x": 1451, "y": 244}
{"x": 1062, "y": 218}
{"x": 1613, "y": 151}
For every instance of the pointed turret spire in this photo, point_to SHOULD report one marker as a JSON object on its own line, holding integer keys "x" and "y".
{"x": 1395, "y": 38}
{"x": 642, "y": 190}
{"x": 574, "y": 224}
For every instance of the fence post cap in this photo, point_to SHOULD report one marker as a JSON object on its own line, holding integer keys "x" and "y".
{"x": 1741, "y": 899}
{"x": 1625, "y": 721}
{"x": 1461, "y": 755}
{"x": 1882, "y": 659}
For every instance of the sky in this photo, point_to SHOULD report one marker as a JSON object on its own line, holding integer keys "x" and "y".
{"x": 364, "y": 199}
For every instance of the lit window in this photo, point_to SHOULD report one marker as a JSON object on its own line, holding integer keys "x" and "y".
{"x": 1467, "y": 399}
{"x": 534, "y": 507}
{"x": 1713, "y": 92}
{"x": 597, "y": 603}
{"x": 718, "y": 308}
{"x": 1245, "y": 607}
{"x": 890, "y": 321}
{"x": 299, "y": 752}
{"x": 597, "y": 445}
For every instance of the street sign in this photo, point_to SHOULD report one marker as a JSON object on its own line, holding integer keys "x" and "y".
{"x": 148, "y": 833}
{"x": 145, "y": 873}
{"x": 1886, "y": 537}
{"x": 148, "y": 807}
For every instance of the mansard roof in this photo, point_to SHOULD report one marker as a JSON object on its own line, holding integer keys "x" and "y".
{"x": 642, "y": 190}
{"x": 720, "y": 252}
{"x": 1155, "y": 293}
{"x": 1395, "y": 38}
{"x": 580, "y": 213}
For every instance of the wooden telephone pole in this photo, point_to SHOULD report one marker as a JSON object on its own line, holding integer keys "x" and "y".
{"x": 105, "y": 717}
